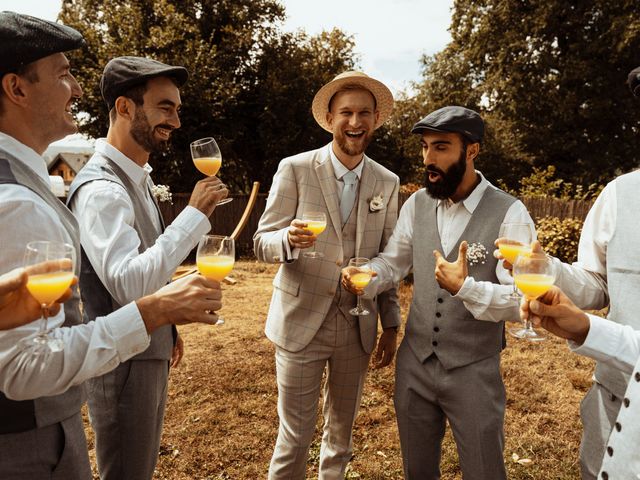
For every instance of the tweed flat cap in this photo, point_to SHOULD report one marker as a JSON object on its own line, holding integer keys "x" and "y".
{"x": 122, "y": 73}
{"x": 634, "y": 81}
{"x": 25, "y": 39}
{"x": 455, "y": 120}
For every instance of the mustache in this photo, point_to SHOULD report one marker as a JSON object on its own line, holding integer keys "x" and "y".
{"x": 166, "y": 127}
{"x": 434, "y": 169}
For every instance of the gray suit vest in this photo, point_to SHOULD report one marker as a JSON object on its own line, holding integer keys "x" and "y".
{"x": 96, "y": 298}
{"x": 438, "y": 323}
{"x": 19, "y": 416}
{"x": 623, "y": 273}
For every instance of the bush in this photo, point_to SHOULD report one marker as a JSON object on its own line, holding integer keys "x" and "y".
{"x": 560, "y": 237}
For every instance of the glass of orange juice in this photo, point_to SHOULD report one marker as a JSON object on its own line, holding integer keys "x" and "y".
{"x": 516, "y": 240}
{"x": 533, "y": 274}
{"x": 316, "y": 223}
{"x": 51, "y": 270}
{"x": 207, "y": 158}
{"x": 360, "y": 278}
{"x": 215, "y": 258}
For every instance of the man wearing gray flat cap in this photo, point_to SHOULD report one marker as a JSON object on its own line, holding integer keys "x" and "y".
{"x": 41, "y": 430}
{"x": 128, "y": 253}
{"x": 448, "y": 365}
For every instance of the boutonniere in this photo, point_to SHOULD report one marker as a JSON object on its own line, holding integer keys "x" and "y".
{"x": 376, "y": 203}
{"x": 476, "y": 254}
{"x": 162, "y": 193}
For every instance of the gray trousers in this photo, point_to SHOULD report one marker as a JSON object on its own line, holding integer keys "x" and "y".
{"x": 471, "y": 398}
{"x": 126, "y": 409}
{"x": 598, "y": 412}
{"x": 55, "y": 452}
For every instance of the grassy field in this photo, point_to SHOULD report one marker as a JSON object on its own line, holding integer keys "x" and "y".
{"x": 221, "y": 420}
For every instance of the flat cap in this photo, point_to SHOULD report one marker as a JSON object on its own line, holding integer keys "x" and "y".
{"x": 25, "y": 39}
{"x": 634, "y": 81}
{"x": 453, "y": 119}
{"x": 122, "y": 73}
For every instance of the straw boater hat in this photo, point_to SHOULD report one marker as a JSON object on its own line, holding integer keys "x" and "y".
{"x": 383, "y": 96}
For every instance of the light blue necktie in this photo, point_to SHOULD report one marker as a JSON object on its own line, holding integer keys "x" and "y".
{"x": 348, "y": 197}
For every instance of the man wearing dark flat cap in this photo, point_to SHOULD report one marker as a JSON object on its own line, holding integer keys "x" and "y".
{"x": 309, "y": 319}
{"x": 41, "y": 431}
{"x": 607, "y": 273}
{"x": 448, "y": 365}
{"x": 128, "y": 253}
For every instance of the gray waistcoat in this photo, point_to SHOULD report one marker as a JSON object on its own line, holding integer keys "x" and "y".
{"x": 96, "y": 298}
{"x": 439, "y": 323}
{"x": 623, "y": 273}
{"x": 19, "y": 416}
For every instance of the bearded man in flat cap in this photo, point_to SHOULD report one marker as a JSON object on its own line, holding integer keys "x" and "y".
{"x": 309, "y": 320}
{"x": 448, "y": 365}
{"x": 41, "y": 430}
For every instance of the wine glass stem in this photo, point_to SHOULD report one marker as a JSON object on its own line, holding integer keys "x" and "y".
{"x": 359, "y": 303}
{"x": 45, "y": 318}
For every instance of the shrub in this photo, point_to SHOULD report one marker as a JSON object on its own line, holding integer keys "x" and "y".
{"x": 542, "y": 183}
{"x": 560, "y": 237}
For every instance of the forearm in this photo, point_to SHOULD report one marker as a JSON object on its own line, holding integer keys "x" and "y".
{"x": 586, "y": 289}
{"x": 488, "y": 301}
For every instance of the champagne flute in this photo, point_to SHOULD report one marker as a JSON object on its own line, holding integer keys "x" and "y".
{"x": 316, "y": 222}
{"x": 215, "y": 258}
{"x": 360, "y": 279}
{"x": 207, "y": 158}
{"x": 533, "y": 274}
{"x": 47, "y": 284}
{"x": 517, "y": 240}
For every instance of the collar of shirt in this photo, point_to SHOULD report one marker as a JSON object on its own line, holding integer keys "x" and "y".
{"x": 473, "y": 199}
{"x": 26, "y": 155}
{"x": 135, "y": 172}
{"x": 339, "y": 170}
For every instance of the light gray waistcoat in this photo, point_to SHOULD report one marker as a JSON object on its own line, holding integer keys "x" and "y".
{"x": 438, "y": 323}
{"x": 623, "y": 273}
{"x": 18, "y": 416}
{"x": 97, "y": 300}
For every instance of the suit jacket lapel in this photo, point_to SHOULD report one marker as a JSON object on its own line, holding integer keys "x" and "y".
{"x": 366, "y": 192}
{"x": 327, "y": 180}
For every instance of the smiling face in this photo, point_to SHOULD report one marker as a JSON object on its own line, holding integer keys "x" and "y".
{"x": 352, "y": 118}
{"x": 158, "y": 116}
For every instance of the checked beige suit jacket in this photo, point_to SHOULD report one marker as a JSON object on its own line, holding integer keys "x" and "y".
{"x": 305, "y": 287}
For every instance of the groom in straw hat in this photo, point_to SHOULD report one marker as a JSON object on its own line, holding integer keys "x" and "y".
{"x": 309, "y": 319}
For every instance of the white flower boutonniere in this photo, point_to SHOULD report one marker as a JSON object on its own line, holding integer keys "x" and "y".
{"x": 476, "y": 253}
{"x": 376, "y": 203}
{"x": 162, "y": 193}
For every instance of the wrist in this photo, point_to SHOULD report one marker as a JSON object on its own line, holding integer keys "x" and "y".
{"x": 151, "y": 311}
{"x": 391, "y": 329}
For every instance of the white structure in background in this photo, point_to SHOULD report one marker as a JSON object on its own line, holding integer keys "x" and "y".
{"x": 65, "y": 158}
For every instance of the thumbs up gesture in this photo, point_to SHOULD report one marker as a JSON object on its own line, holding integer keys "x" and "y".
{"x": 451, "y": 275}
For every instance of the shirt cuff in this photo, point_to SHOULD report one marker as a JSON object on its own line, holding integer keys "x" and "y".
{"x": 601, "y": 341}
{"x": 290, "y": 254}
{"x": 466, "y": 292}
{"x": 128, "y": 331}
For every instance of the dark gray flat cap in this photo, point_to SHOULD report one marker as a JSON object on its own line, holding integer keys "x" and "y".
{"x": 122, "y": 73}
{"x": 453, "y": 120}
{"x": 634, "y": 81}
{"x": 25, "y": 39}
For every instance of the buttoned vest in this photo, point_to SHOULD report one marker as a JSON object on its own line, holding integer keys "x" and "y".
{"x": 438, "y": 323}
{"x": 623, "y": 273}
{"x": 19, "y": 416}
{"x": 96, "y": 298}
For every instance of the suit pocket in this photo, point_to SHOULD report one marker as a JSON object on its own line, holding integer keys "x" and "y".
{"x": 286, "y": 283}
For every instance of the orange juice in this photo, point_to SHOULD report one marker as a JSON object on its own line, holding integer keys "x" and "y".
{"x": 511, "y": 251}
{"x": 316, "y": 226}
{"x": 215, "y": 267}
{"x": 208, "y": 165}
{"x": 533, "y": 284}
{"x": 361, "y": 279}
{"x": 46, "y": 288}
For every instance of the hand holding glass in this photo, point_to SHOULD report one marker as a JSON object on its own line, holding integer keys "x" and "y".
{"x": 215, "y": 259}
{"x": 517, "y": 240}
{"x": 360, "y": 279}
{"x": 50, "y": 285}
{"x": 316, "y": 222}
{"x": 208, "y": 159}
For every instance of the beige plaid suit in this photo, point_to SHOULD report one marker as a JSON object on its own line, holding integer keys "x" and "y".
{"x": 303, "y": 321}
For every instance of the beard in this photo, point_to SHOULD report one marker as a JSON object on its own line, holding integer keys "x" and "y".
{"x": 353, "y": 146}
{"x": 449, "y": 181}
{"x": 143, "y": 134}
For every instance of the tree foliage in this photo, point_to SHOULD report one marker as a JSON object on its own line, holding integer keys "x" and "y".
{"x": 250, "y": 86}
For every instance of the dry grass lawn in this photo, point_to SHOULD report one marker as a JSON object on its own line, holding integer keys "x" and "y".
{"x": 221, "y": 420}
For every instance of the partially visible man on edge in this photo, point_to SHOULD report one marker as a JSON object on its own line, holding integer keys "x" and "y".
{"x": 448, "y": 365}
{"x": 41, "y": 431}
{"x": 309, "y": 319}
{"x": 127, "y": 253}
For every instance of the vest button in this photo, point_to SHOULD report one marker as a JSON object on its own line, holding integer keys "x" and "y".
{"x": 618, "y": 426}
{"x": 637, "y": 376}
{"x": 610, "y": 451}
{"x": 436, "y": 329}
{"x": 438, "y": 314}
{"x": 440, "y": 300}
{"x": 605, "y": 476}
{"x": 626, "y": 402}
{"x": 434, "y": 343}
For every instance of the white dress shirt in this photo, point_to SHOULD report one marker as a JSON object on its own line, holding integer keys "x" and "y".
{"x": 89, "y": 350}
{"x": 483, "y": 299}
{"x": 105, "y": 213}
